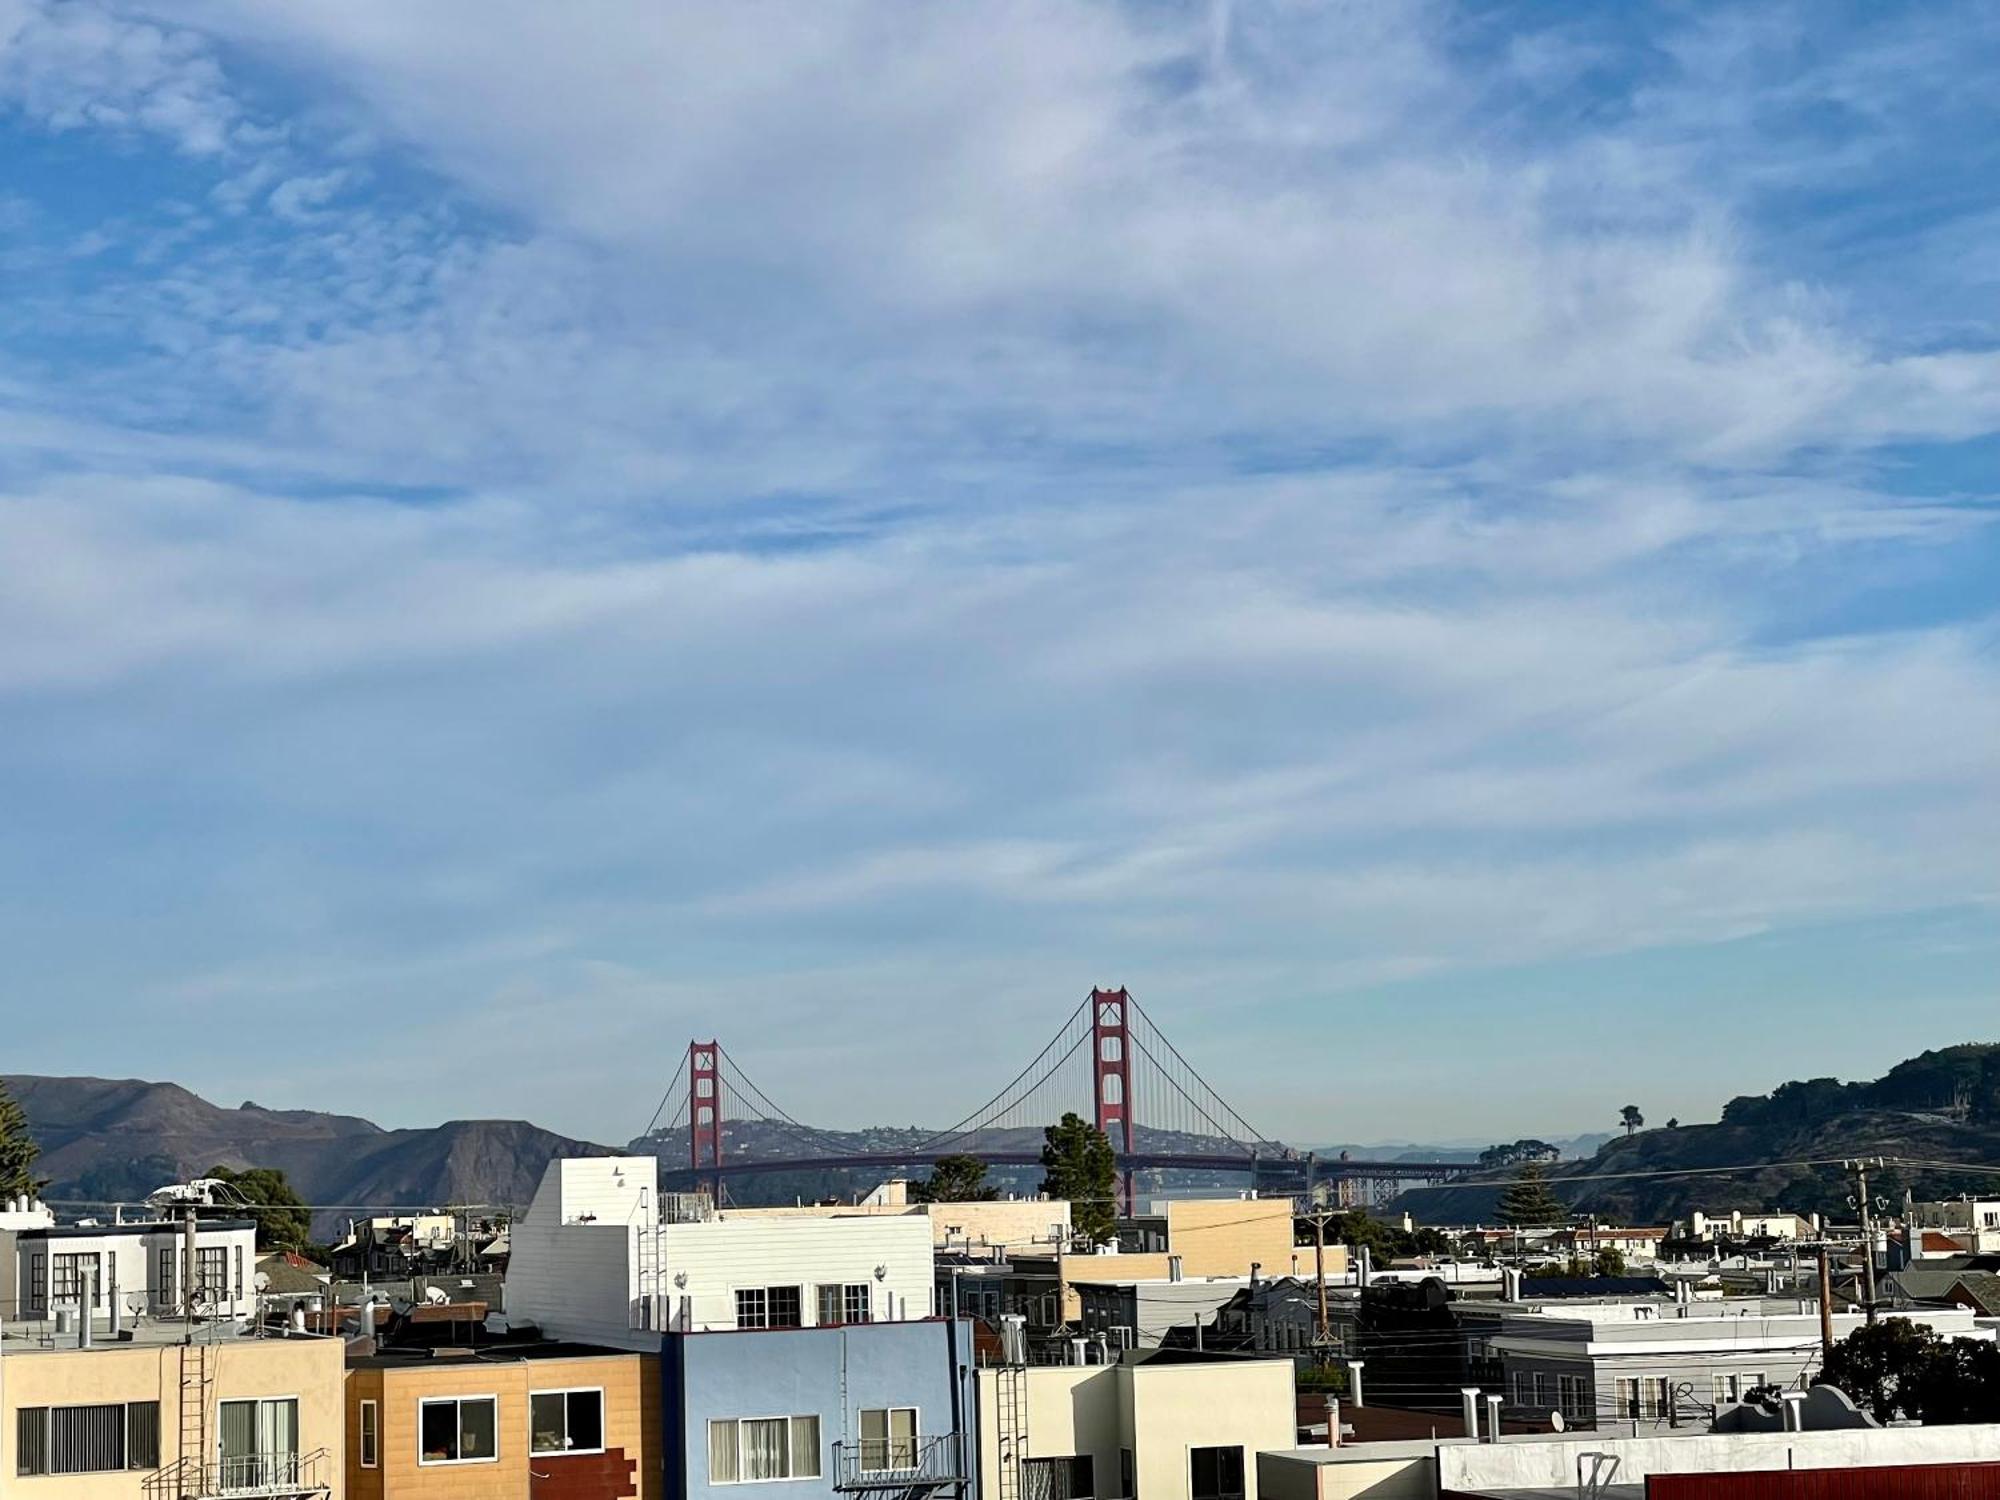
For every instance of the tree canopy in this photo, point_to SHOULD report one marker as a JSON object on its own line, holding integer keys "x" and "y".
{"x": 1078, "y": 1164}
{"x": 17, "y": 1149}
{"x": 283, "y": 1220}
{"x": 1528, "y": 1203}
{"x": 1630, "y": 1118}
{"x": 954, "y": 1179}
{"x": 1513, "y": 1154}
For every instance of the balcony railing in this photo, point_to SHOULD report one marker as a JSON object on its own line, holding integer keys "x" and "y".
{"x": 258, "y": 1476}
{"x": 898, "y": 1464}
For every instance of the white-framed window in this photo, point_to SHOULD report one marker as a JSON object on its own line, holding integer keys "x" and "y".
{"x": 1523, "y": 1389}
{"x": 888, "y": 1439}
{"x": 458, "y": 1430}
{"x": 566, "y": 1421}
{"x": 66, "y": 1281}
{"x": 164, "y": 1286}
{"x": 368, "y": 1429}
{"x": 86, "y": 1439}
{"x": 846, "y": 1302}
{"x": 1735, "y": 1385}
{"x": 259, "y": 1442}
{"x": 1541, "y": 1388}
{"x": 1573, "y": 1391}
{"x": 763, "y": 1450}
{"x": 211, "y": 1273}
{"x": 769, "y": 1307}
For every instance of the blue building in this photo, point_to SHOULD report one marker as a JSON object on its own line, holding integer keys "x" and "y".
{"x": 846, "y": 1410}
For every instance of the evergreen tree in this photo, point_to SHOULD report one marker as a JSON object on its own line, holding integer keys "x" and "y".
{"x": 1630, "y": 1118}
{"x": 955, "y": 1179}
{"x": 1079, "y": 1164}
{"x": 1528, "y": 1204}
{"x": 283, "y": 1220}
{"x": 17, "y": 1150}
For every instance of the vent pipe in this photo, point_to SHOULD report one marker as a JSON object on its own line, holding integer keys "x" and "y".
{"x": 87, "y": 1289}
{"x": 1173, "y": 1268}
{"x": 1354, "y": 1383}
{"x": 1493, "y": 1403}
{"x": 1468, "y": 1396}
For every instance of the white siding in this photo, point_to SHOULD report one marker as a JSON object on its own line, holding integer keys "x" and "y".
{"x": 720, "y": 1256}
{"x": 572, "y": 1270}
{"x": 131, "y": 1261}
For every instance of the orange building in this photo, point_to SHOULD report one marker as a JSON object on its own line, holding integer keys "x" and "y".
{"x": 532, "y": 1421}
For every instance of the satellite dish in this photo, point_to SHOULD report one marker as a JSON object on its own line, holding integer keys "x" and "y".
{"x": 1556, "y": 1423}
{"x": 263, "y": 1279}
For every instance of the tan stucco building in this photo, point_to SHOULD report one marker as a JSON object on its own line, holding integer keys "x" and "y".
{"x": 1165, "y": 1424}
{"x": 130, "y": 1418}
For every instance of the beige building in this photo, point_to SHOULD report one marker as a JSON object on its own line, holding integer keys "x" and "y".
{"x": 1165, "y": 1424}
{"x": 996, "y": 1224}
{"x": 147, "y": 1416}
{"x": 547, "y": 1421}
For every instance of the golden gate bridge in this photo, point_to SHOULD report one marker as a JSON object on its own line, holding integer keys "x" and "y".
{"x": 1107, "y": 1063}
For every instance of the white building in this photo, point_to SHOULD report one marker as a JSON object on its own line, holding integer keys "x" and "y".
{"x": 592, "y": 1260}
{"x": 135, "y": 1269}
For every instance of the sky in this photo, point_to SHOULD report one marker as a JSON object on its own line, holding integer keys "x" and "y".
{"x": 1449, "y": 547}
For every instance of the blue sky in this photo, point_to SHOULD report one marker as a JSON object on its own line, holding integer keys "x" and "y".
{"x": 1450, "y": 547}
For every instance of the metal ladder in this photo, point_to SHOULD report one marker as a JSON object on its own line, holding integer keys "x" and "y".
{"x": 651, "y": 1303}
{"x": 1011, "y": 1426}
{"x": 197, "y": 1386}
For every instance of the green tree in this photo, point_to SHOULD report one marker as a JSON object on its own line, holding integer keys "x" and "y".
{"x": 283, "y": 1220}
{"x": 1610, "y": 1261}
{"x": 1630, "y": 1118}
{"x": 954, "y": 1179}
{"x": 1078, "y": 1164}
{"x": 1958, "y": 1383}
{"x": 1886, "y": 1368}
{"x": 1527, "y": 1203}
{"x": 17, "y": 1150}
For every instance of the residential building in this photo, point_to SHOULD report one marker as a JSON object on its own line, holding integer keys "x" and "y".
{"x": 1960, "y": 1225}
{"x": 1737, "y": 1227}
{"x": 142, "y": 1413}
{"x": 1667, "y": 1364}
{"x": 535, "y": 1420}
{"x": 1141, "y": 1312}
{"x": 980, "y": 1227}
{"x": 1163, "y": 1423}
{"x": 1634, "y": 1243}
{"x": 141, "y": 1267}
{"x": 865, "y": 1407}
{"x": 404, "y": 1245}
{"x": 592, "y": 1261}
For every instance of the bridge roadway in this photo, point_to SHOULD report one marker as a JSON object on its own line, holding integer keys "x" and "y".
{"x": 1324, "y": 1168}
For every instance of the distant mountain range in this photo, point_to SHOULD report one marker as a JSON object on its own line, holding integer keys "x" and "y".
{"x": 1941, "y": 1107}
{"x": 115, "y": 1140}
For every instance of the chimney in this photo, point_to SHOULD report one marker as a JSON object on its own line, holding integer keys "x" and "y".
{"x": 117, "y": 1323}
{"x": 1173, "y": 1268}
{"x": 1366, "y": 1265}
{"x": 1493, "y": 1402}
{"x": 1468, "y": 1396}
{"x": 87, "y": 1289}
{"x": 1332, "y": 1421}
{"x": 1078, "y": 1348}
{"x": 1354, "y": 1383}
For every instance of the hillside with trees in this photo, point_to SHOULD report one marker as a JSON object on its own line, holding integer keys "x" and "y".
{"x": 1939, "y": 1108}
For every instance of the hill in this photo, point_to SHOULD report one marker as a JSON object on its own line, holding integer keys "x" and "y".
{"x": 115, "y": 1140}
{"x": 1940, "y": 1108}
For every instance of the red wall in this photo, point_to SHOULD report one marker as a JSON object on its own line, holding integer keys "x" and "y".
{"x": 1911, "y": 1482}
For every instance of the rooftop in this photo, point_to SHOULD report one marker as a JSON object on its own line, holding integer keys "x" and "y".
{"x": 39, "y": 1336}
{"x": 483, "y": 1354}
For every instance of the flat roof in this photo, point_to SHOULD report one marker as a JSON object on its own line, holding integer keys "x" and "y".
{"x": 149, "y": 1332}
{"x": 147, "y": 1226}
{"x": 484, "y": 1354}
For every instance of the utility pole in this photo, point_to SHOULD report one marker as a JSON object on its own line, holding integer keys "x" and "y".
{"x": 1825, "y": 1305}
{"x": 1319, "y": 1216}
{"x": 1860, "y": 1169}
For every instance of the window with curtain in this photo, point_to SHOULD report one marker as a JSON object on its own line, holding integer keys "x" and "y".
{"x": 566, "y": 1422}
{"x": 369, "y": 1430}
{"x": 751, "y": 1450}
{"x": 458, "y": 1430}
{"x": 1057, "y": 1478}
{"x": 888, "y": 1438}
{"x": 67, "y": 1281}
{"x": 87, "y": 1439}
{"x": 260, "y": 1442}
{"x": 845, "y": 1302}
{"x": 211, "y": 1273}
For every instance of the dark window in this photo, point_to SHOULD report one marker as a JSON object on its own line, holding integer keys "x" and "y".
{"x": 38, "y": 1265}
{"x": 753, "y": 1308}
{"x": 370, "y": 1434}
{"x": 31, "y": 1440}
{"x": 787, "y": 1307}
{"x": 1057, "y": 1478}
{"x": 458, "y": 1430}
{"x": 86, "y": 1439}
{"x": 566, "y": 1422}
{"x": 142, "y": 1435}
{"x": 1125, "y": 1473}
{"x": 1215, "y": 1474}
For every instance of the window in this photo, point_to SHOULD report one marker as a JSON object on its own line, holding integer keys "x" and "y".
{"x": 211, "y": 1273}
{"x": 260, "y": 1443}
{"x": 370, "y": 1432}
{"x": 1522, "y": 1388}
{"x": 846, "y": 1302}
{"x": 239, "y": 1273}
{"x": 1125, "y": 1473}
{"x": 888, "y": 1438}
{"x": 87, "y": 1439}
{"x": 566, "y": 1422}
{"x": 1735, "y": 1385}
{"x": 1057, "y": 1478}
{"x": 1573, "y": 1391}
{"x": 458, "y": 1430}
{"x": 164, "y": 1289}
{"x": 38, "y": 1265}
{"x": 1646, "y": 1400}
{"x": 1541, "y": 1388}
{"x": 1215, "y": 1474}
{"x": 768, "y": 1307}
{"x": 754, "y": 1450}
{"x": 67, "y": 1285}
